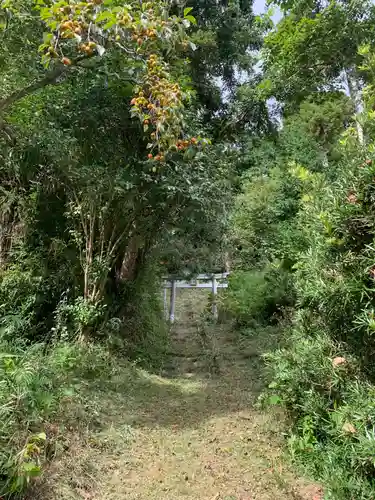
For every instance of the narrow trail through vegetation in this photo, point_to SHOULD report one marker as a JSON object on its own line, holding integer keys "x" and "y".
{"x": 190, "y": 433}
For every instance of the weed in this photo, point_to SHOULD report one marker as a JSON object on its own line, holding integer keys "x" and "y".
{"x": 34, "y": 385}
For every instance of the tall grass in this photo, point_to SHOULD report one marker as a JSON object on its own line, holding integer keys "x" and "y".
{"x": 34, "y": 386}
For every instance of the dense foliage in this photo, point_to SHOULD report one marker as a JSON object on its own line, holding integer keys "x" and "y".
{"x": 157, "y": 137}
{"x": 305, "y": 214}
{"x": 117, "y": 165}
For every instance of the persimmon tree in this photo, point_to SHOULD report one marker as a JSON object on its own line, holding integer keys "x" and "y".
{"x": 105, "y": 127}
{"x": 146, "y": 39}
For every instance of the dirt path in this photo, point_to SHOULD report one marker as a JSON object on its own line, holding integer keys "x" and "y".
{"x": 191, "y": 433}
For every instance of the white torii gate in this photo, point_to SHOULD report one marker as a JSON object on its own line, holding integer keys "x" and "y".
{"x": 213, "y": 281}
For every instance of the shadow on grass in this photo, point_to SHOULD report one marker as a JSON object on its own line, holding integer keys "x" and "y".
{"x": 122, "y": 425}
{"x": 184, "y": 398}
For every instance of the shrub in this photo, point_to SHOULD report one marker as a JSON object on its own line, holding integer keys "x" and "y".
{"x": 333, "y": 272}
{"x": 258, "y": 295}
{"x": 303, "y": 374}
{"x": 32, "y": 388}
{"x": 332, "y": 406}
{"x": 77, "y": 318}
{"x": 324, "y": 374}
{"x": 261, "y": 219}
{"x": 21, "y": 297}
{"x": 137, "y": 326}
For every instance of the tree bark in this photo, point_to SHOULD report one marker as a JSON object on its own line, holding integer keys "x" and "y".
{"x": 6, "y": 226}
{"x": 129, "y": 262}
{"x": 356, "y": 96}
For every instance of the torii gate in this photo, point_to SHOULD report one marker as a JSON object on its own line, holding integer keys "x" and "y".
{"x": 213, "y": 281}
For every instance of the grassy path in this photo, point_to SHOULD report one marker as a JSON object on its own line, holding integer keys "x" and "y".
{"x": 191, "y": 433}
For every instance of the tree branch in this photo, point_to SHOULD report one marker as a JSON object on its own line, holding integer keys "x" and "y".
{"x": 49, "y": 79}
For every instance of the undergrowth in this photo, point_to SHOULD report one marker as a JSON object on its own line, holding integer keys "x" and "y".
{"x": 332, "y": 405}
{"x": 49, "y": 355}
{"x": 35, "y": 386}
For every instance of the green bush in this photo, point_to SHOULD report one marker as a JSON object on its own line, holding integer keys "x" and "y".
{"x": 323, "y": 376}
{"x": 266, "y": 241}
{"x": 136, "y": 324}
{"x": 303, "y": 375}
{"x": 334, "y": 273}
{"x": 22, "y": 296}
{"x": 333, "y": 435}
{"x": 34, "y": 384}
{"x": 258, "y": 295}
{"x": 262, "y": 219}
{"x": 77, "y": 318}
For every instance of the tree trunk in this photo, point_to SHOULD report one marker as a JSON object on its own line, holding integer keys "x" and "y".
{"x": 227, "y": 262}
{"x": 6, "y": 230}
{"x": 356, "y": 96}
{"x": 128, "y": 267}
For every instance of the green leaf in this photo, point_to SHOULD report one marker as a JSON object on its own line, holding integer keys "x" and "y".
{"x": 364, "y": 50}
{"x": 18, "y": 484}
{"x": 31, "y": 469}
{"x": 187, "y": 10}
{"x": 37, "y": 437}
{"x": 274, "y": 400}
{"x": 108, "y": 25}
{"x": 45, "y": 13}
{"x": 103, "y": 16}
{"x": 191, "y": 19}
{"x": 47, "y": 37}
{"x": 189, "y": 154}
{"x": 41, "y": 436}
